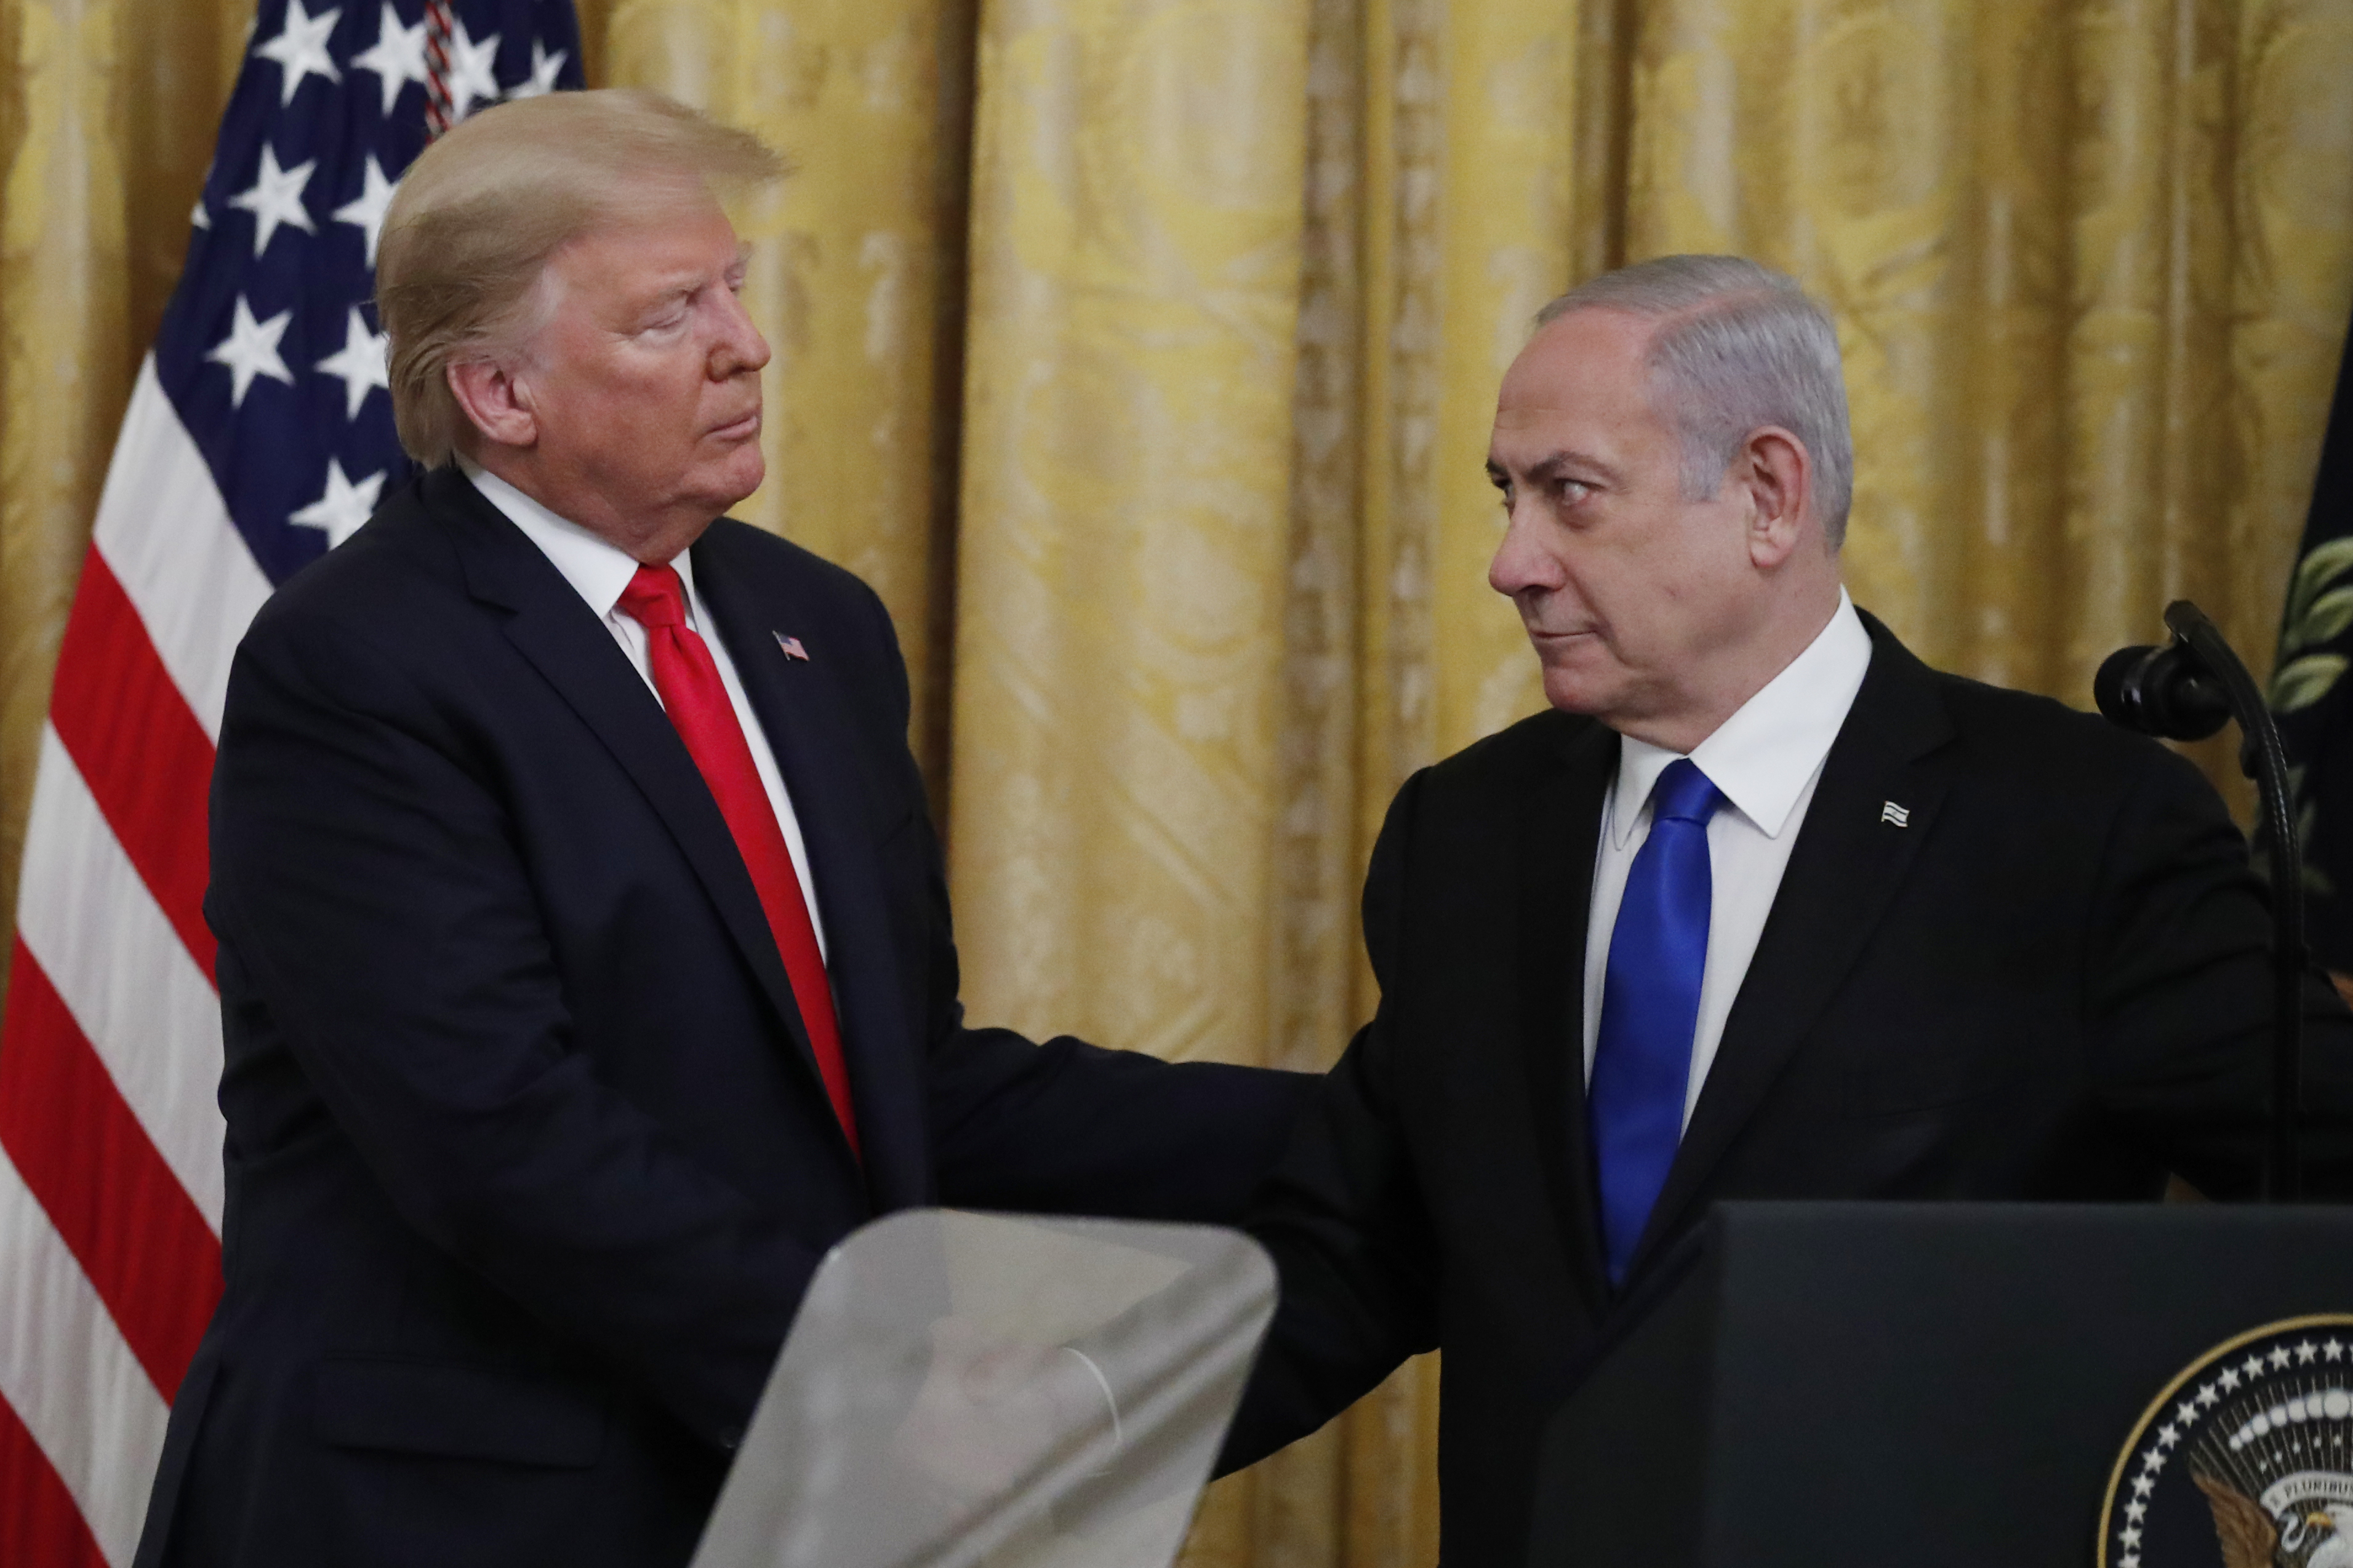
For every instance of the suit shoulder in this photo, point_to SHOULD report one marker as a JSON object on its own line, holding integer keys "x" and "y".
{"x": 746, "y": 548}
{"x": 1533, "y": 745}
{"x": 2031, "y": 759}
{"x": 817, "y": 594}
{"x": 384, "y": 575}
{"x": 2043, "y": 735}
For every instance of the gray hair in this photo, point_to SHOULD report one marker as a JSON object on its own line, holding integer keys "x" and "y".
{"x": 1738, "y": 347}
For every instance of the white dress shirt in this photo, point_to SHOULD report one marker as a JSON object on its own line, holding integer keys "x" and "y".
{"x": 598, "y": 572}
{"x": 1766, "y": 760}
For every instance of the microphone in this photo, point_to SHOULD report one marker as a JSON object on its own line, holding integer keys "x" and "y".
{"x": 2187, "y": 690}
{"x": 2164, "y": 691}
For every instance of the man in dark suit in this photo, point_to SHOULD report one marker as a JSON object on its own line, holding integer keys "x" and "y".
{"x": 1766, "y": 909}
{"x": 584, "y": 954}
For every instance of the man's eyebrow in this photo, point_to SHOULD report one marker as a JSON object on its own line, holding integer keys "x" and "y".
{"x": 684, "y": 284}
{"x": 1553, "y": 465}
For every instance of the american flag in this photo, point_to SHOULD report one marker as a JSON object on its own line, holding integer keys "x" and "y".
{"x": 259, "y": 436}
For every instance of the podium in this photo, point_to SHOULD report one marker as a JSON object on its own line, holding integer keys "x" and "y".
{"x": 1949, "y": 1385}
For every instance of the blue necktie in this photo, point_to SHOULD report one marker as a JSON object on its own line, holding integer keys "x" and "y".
{"x": 1649, "y": 1007}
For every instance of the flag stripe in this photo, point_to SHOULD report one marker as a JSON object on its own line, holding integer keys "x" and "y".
{"x": 147, "y": 1011}
{"x": 40, "y": 1526}
{"x": 241, "y": 421}
{"x": 102, "y": 1427}
{"x": 166, "y": 535}
{"x": 138, "y": 748}
{"x": 147, "y": 1251}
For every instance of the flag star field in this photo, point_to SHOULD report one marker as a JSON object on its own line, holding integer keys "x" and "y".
{"x": 260, "y": 434}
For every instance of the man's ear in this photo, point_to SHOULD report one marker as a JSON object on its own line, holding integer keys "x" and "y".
{"x": 1777, "y": 472}
{"x": 496, "y": 404}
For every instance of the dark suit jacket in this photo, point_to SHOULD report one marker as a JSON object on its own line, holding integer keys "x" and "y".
{"x": 2053, "y": 982}
{"x": 528, "y": 1158}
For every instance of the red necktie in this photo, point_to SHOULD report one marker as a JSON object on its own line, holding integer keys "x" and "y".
{"x": 697, "y": 700}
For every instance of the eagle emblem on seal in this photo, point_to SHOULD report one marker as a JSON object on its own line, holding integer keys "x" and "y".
{"x": 2246, "y": 1459}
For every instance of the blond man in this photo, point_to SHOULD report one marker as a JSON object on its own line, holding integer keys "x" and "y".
{"x": 585, "y": 957}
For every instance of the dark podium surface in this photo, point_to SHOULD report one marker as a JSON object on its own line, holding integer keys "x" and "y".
{"x": 1935, "y": 1386}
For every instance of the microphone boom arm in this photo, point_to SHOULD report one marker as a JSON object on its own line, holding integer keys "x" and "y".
{"x": 2263, "y": 760}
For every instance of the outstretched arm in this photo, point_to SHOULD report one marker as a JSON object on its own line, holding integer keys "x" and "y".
{"x": 1343, "y": 1218}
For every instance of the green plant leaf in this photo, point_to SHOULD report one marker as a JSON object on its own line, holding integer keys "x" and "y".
{"x": 2328, "y": 616}
{"x": 2302, "y": 682}
{"x": 2329, "y": 560}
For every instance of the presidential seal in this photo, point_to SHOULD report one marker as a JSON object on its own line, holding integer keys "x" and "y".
{"x": 2245, "y": 1460}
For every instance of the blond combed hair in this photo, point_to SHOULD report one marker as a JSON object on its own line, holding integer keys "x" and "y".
{"x": 480, "y": 214}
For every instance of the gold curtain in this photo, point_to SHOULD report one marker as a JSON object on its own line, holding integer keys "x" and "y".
{"x": 1141, "y": 351}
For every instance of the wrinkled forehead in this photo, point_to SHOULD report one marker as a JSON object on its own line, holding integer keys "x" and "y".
{"x": 648, "y": 251}
{"x": 1582, "y": 377}
{"x": 1574, "y": 356}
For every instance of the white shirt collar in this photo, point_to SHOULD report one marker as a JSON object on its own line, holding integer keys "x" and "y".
{"x": 1763, "y": 757}
{"x": 598, "y": 569}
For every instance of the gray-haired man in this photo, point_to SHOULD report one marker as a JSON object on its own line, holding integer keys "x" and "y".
{"x": 1766, "y": 908}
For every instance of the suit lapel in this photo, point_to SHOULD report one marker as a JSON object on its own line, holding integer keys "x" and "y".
{"x": 802, "y": 707}
{"x": 554, "y": 630}
{"x": 1563, "y": 833}
{"x": 1846, "y": 864}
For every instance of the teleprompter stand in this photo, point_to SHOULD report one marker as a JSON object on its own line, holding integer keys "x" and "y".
{"x": 1949, "y": 1385}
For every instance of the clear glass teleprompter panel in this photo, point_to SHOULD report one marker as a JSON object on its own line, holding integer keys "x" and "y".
{"x": 996, "y": 1390}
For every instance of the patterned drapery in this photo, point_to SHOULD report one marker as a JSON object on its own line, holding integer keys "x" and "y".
{"x": 1141, "y": 352}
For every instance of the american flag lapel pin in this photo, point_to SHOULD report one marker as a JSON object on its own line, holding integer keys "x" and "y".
{"x": 792, "y": 647}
